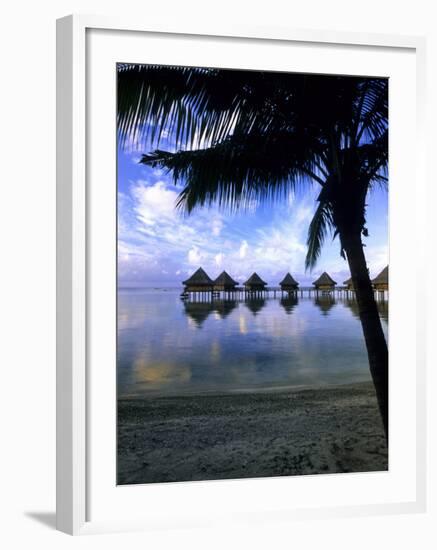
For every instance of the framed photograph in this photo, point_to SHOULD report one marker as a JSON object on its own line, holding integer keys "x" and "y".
{"x": 240, "y": 330}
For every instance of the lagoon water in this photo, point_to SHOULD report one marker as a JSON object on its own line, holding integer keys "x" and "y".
{"x": 168, "y": 347}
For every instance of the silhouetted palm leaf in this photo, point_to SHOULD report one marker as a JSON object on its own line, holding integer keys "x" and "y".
{"x": 320, "y": 225}
{"x": 241, "y": 169}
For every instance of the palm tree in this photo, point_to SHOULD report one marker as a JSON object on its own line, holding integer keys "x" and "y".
{"x": 241, "y": 136}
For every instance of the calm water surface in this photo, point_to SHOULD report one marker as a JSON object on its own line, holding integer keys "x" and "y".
{"x": 168, "y": 347}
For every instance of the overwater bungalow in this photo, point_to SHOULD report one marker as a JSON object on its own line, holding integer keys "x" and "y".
{"x": 255, "y": 284}
{"x": 225, "y": 283}
{"x": 349, "y": 287}
{"x": 198, "y": 284}
{"x": 349, "y": 284}
{"x": 324, "y": 283}
{"x": 380, "y": 282}
{"x": 288, "y": 284}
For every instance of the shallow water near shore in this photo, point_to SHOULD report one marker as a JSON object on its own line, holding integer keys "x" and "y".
{"x": 168, "y": 347}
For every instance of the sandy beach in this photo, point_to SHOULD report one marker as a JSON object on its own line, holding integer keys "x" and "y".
{"x": 294, "y": 432}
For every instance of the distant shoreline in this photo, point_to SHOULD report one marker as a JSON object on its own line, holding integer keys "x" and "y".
{"x": 303, "y": 431}
{"x": 178, "y": 289}
{"x": 287, "y": 388}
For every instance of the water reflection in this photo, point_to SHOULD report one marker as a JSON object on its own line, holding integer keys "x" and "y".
{"x": 289, "y": 304}
{"x": 383, "y": 310}
{"x": 224, "y": 307}
{"x": 255, "y": 304}
{"x": 234, "y": 345}
{"x": 382, "y": 306}
{"x": 353, "y": 307}
{"x": 158, "y": 374}
{"x": 325, "y": 303}
{"x": 198, "y": 311}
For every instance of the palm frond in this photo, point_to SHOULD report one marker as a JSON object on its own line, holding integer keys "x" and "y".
{"x": 379, "y": 180}
{"x": 198, "y": 105}
{"x": 240, "y": 169}
{"x": 320, "y": 226}
{"x": 372, "y": 113}
{"x": 202, "y": 105}
{"x": 373, "y": 157}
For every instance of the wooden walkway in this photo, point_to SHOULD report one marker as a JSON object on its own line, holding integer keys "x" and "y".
{"x": 240, "y": 293}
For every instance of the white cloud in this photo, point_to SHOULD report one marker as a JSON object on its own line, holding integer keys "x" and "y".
{"x": 377, "y": 258}
{"x": 154, "y": 203}
{"x": 243, "y": 249}
{"x": 169, "y": 236}
{"x": 217, "y": 226}
{"x": 194, "y": 256}
{"x": 157, "y": 242}
{"x": 219, "y": 259}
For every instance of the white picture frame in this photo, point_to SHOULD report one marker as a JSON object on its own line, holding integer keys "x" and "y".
{"x": 73, "y": 298}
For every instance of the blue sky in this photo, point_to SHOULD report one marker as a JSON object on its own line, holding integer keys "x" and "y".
{"x": 159, "y": 246}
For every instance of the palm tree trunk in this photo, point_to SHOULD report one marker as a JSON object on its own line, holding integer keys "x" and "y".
{"x": 370, "y": 321}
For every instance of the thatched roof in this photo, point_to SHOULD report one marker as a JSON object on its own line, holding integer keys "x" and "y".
{"x": 225, "y": 279}
{"x": 255, "y": 279}
{"x": 348, "y": 281}
{"x": 324, "y": 279}
{"x": 381, "y": 278}
{"x": 288, "y": 281}
{"x": 199, "y": 278}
